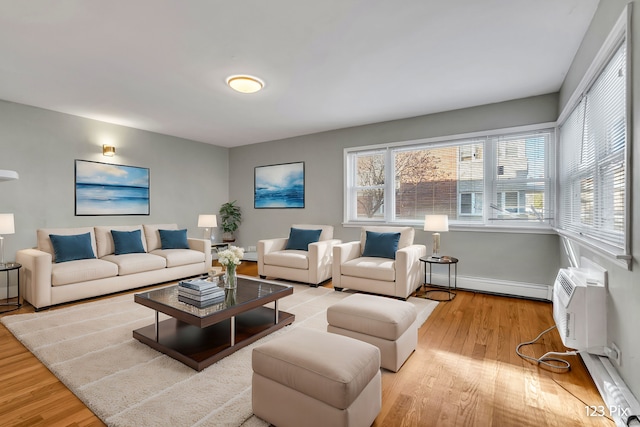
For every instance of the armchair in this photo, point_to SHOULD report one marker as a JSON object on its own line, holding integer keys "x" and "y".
{"x": 312, "y": 266}
{"x": 397, "y": 277}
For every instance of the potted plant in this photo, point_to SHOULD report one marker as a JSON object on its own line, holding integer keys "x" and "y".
{"x": 231, "y": 217}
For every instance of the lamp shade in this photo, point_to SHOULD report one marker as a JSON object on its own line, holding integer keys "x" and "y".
{"x": 6, "y": 224}
{"x": 207, "y": 221}
{"x": 7, "y": 175}
{"x": 436, "y": 223}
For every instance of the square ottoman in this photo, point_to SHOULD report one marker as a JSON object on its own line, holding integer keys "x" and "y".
{"x": 307, "y": 377}
{"x": 387, "y": 323}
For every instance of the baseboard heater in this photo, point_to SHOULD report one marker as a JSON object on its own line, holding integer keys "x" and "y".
{"x": 620, "y": 403}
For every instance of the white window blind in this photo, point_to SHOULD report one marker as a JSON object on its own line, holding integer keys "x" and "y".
{"x": 401, "y": 183}
{"x": 522, "y": 183}
{"x": 592, "y": 158}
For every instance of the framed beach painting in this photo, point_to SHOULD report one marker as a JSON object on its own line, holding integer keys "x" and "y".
{"x": 107, "y": 189}
{"x": 279, "y": 186}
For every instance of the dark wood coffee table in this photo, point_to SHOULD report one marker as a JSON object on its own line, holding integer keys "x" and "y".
{"x": 199, "y": 337}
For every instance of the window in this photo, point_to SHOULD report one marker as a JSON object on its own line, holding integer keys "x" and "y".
{"x": 592, "y": 162}
{"x": 485, "y": 179}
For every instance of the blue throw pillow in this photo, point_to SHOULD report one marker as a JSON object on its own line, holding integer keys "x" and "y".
{"x": 127, "y": 242}
{"x": 174, "y": 239}
{"x": 381, "y": 245}
{"x": 299, "y": 238}
{"x": 71, "y": 248}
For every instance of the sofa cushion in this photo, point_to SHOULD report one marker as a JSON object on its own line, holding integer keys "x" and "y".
{"x": 173, "y": 239}
{"x": 288, "y": 258}
{"x": 327, "y": 230}
{"x": 153, "y": 236}
{"x": 136, "y": 263}
{"x": 370, "y": 268}
{"x": 71, "y": 248}
{"x": 44, "y": 242}
{"x": 84, "y": 270}
{"x": 299, "y": 239}
{"x": 177, "y": 257}
{"x": 383, "y": 245}
{"x": 104, "y": 238}
{"x": 127, "y": 242}
{"x": 406, "y": 234}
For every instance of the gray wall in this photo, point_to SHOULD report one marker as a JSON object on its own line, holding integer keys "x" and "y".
{"x": 623, "y": 304}
{"x": 531, "y": 258}
{"x": 187, "y": 178}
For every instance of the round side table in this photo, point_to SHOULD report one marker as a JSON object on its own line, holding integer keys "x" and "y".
{"x": 7, "y": 268}
{"x": 445, "y": 260}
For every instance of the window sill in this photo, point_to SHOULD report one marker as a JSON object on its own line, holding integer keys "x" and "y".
{"x": 617, "y": 255}
{"x": 540, "y": 229}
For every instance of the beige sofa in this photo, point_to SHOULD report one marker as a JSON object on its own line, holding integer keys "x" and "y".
{"x": 48, "y": 283}
{"x": 397, "y": 277}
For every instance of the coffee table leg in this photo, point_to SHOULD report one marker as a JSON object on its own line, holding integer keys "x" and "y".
{"x": 276, "y": 311}
{"x": 233, "y": 331}
{"x": 157, "y": 327}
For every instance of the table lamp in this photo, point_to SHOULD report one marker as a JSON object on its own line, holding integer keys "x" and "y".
{"x": 6, "y": 227}
{"x": 436, "y": 223}
{"x": 207, "y": 222}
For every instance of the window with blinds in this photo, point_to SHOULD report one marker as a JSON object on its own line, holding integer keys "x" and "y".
{"x": 592, "y": 158}
{"x": 492, "y": 179}
{"x": 522, "y": 182}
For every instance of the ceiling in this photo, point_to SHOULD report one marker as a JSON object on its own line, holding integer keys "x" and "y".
{"x": 161, "y": 65}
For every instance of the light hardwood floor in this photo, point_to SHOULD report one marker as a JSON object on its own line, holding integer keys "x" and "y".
{"x": 465, "y": 372}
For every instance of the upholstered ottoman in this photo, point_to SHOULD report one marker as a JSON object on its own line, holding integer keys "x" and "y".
{"x": 312, "y": 378}
{"x": 387, "y": 323}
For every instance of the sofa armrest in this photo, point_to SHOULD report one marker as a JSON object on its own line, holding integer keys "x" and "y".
{"x": 269, "y": 245}
{"x": 202, "y": 245}
{"x": 342, "y": 253}
{"x": 36, "y": 276}
{"x": 408, "y": 272}
{"x": 320, "y": 259}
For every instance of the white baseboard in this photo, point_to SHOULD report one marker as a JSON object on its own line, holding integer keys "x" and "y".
{"x": 620, "y": 403}
{"x": 494, "y": 286}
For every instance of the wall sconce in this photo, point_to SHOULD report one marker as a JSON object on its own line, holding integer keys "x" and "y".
{"x": 108, "y": 150}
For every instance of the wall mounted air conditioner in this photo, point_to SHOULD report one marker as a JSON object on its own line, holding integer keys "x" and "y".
{"x": 580, "y": 309}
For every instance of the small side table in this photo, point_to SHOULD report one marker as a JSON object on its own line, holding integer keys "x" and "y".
{"x": 445, "y": 260}
{"x": 7, "y": 268}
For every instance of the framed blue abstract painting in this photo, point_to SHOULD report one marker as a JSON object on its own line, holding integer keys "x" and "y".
{"x": 107, "y": 189}
{"x": 279, "y": 186}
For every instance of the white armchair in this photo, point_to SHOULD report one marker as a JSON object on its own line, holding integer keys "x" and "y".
{"x": 398, "y": 277}
{"x": 312, "y": 266}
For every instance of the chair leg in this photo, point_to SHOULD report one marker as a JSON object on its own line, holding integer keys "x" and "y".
{"x": 263, "y": 277}
{"x": 313, "y": 285}
{"x": 338, "y": 289}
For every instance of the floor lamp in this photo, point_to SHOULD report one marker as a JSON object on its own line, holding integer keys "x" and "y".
{"x": 436, "y": 223}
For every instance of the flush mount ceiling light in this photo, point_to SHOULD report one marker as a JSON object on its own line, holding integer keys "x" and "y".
{"x": 245, "y": 84}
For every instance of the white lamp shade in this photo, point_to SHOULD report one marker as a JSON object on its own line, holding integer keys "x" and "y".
{"x": 207, "y": 221}
{"x": 6, "y": 224}
{"x": 436, "y": 223}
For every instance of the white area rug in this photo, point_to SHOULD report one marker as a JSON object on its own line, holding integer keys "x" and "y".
{"x": 90, "y": 348}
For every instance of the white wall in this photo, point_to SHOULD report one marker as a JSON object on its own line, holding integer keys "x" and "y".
{"x": 186, "y": 177}
{"x": 623, "y": 303}
{"x": 528, "y": 258}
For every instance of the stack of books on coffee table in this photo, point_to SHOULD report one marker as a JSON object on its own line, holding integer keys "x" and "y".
{"x": 199, "y": 292}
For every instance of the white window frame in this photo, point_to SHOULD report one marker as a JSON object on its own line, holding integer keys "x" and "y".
{"x": 490, "y": 174}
